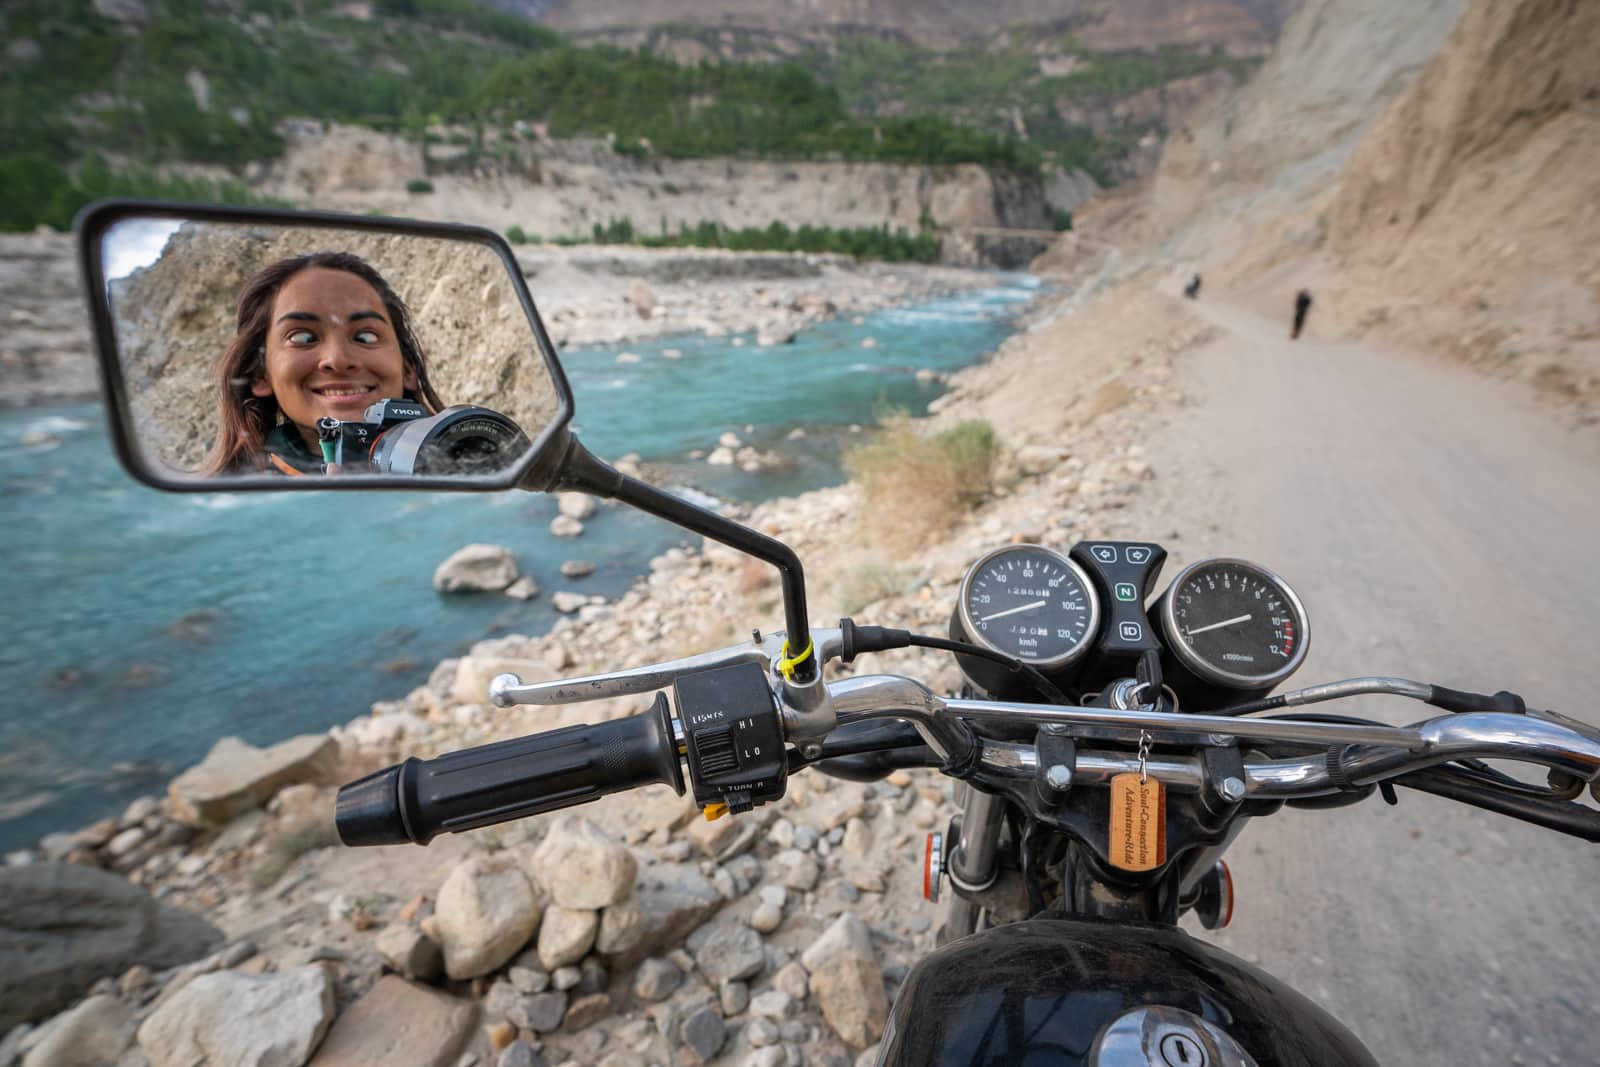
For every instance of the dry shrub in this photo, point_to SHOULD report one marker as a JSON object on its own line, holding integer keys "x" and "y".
{"x": 915, "y": 484}
{"x": 868, "y": 583}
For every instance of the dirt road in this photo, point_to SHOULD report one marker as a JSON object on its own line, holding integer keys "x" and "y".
{"x": 1439, "y": 527}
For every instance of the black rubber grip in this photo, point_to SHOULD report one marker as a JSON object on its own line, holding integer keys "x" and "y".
{"x": 1462, "y": 701}
{"x": 417, "y": 799}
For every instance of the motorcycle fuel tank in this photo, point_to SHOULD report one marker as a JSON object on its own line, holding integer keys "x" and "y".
{"x": 1071, "y": 991}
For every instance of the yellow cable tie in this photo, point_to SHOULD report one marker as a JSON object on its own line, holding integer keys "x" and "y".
{"x": 713, "y": 812}
{"x": 786, "y": 665}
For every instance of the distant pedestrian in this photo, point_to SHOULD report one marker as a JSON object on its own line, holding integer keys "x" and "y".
{"x": 1302, "y": 307}
{"x": 1192, "y": 290}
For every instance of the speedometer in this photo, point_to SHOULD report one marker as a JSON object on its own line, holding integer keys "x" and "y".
{"x": 1233, "y": 624}
{"x": 1029, "y": 602}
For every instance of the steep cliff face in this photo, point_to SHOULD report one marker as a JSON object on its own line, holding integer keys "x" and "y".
{"x": 1281, "y": 138}
{"x": 1467, "y": 221}
{"x": 579, "y": 183}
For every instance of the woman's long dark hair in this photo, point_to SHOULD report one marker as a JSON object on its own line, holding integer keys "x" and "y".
{"x": 244, "y": 418}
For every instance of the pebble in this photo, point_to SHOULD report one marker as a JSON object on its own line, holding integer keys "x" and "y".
{"x": 587, "y": 1010}
{"x": 761, "y": 1033}
{"x": 566, "y": 977}
{"x": 704, "y": 1034}
{"x": 529, "y": 979}
{"x": 734, "y": 998}
{"x": 519, "y": 1054}
{"x": 776, "y": 895}
{"x": 772, "y": 1004}
{"x": 544, "y": 1011}
{"x": 656, "y": 980}
{"x": 766, "y": 918}
{"x": 805, "y": 838}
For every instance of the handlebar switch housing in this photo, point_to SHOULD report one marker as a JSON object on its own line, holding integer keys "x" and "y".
{"x": 733, "y": 736}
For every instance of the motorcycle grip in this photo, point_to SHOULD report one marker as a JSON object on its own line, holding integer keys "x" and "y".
{"x": 417, "y": 799}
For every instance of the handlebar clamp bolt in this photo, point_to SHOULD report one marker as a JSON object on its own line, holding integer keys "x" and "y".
{"x": 1058, "y": 776}
{"x": 1232, "y": 789}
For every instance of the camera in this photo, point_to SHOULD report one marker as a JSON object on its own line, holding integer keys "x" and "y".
{"x": 397, "y": 436}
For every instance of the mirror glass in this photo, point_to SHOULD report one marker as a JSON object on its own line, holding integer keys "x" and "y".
{"x": 271, "y": 348}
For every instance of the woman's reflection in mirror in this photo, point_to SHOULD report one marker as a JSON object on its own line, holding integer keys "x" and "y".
{"x": 316, "y": 336}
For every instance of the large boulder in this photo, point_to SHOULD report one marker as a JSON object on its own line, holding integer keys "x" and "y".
{"x": 399, "y": 1022}
{"x": 63, "y": 927}
{"x": 578, "y": 866}
{"x": 674, "y": 899}
{"x": 229, "y": 1019}
{"x": 476, "y": 569}
{"x": 236, "y": 777}
{"x": 485, "y": 912}
{"x": 847, "y": 982}
{"x": 92, "y": 1034}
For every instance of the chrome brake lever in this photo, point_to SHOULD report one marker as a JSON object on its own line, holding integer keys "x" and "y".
{"x": 507, "y": 690}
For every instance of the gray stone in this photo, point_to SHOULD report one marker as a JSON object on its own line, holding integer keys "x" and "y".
{"x": 406, "y": 949}
{"x": 857, "y": 840}
{"x": 236, "y": 777}
{"x": 734, "y": 998}
{"x": 564, "y": 978}
{"x": 776, "y": 895}
{"x": 595, "y": 976}
{"x": 528, "y": 980}
{"x": 543, "y": 1012}
{"x": 656, "y": 980}
{"x": 485, "y": 912}
{"x": 577, "y": 568}
{"x": 761, "y": 1033}
{"x": 67, "y": 926}
{"x": 773, "y": 1056}
{"x": 766, "y": 918}
{"x": 621, "y": 927}
{"x": 94, "y": 1033}
{"x": 400, "y": 1022}
{"x": 704, "y": 1034}
{"x": 796, "y": 869}
{"x": 568, "y": 602}
{"x": 773, "y": 1004}
{"x": 727, "y": 950}
{"x": 126, "y": 841}
{"x": 805, "y": 838}
{"x": 674, "y": 899}
{"x": 793, "y": 980}
{"x": 476, "y": 568}
{"x": 566, "y": 935}
{"x": 519, "y": 1054}
{"x": 228, "y": 1019}
{"x": 846, "y": 981}
{"x": 579, "y": 866}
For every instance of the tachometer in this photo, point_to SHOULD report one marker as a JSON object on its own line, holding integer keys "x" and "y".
{"x": 1233, "y": 624}
{"x": 1030, "y": 602}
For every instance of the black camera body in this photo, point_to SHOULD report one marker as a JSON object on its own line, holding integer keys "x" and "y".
{"x": 398, "y": 436}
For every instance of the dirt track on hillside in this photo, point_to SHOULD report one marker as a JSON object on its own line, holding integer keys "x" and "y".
{"x": 1438, "y": 526}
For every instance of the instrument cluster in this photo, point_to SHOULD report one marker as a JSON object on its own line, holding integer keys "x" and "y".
{"x": 1227, "y": 629}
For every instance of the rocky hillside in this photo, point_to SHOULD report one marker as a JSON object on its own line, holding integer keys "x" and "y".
{"x": 1244, "y": 25}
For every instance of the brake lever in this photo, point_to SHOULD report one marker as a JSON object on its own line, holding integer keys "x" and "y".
{"x": 507, "y": 690}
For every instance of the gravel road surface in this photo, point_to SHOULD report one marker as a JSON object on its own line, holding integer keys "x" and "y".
{"x": 1437, "y": 526}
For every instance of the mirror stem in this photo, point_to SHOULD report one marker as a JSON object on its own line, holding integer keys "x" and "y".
{"x": 583, "y": 471}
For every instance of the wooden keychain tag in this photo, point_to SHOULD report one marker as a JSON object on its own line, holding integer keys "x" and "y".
{"x": 1138, "y": 837}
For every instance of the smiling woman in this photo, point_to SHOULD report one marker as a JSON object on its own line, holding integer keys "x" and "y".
{"x": 317, "y": 336}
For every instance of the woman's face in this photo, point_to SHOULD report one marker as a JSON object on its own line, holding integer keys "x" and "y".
{"x": 331, "y": 350}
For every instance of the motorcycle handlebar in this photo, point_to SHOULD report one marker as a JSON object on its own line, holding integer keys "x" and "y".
{"x": 417, "y": 799}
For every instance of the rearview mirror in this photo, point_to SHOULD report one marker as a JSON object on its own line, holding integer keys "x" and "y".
{"x": 261, "y": 349}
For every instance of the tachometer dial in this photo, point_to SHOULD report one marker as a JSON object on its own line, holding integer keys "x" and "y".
{"x": 1234, "y": 624}
{"x": 1030, "y": 602}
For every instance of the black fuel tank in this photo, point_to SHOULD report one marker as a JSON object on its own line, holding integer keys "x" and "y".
{"x": 1060, "y": 990}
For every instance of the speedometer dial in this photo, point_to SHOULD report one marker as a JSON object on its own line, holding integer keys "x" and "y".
{"x": 1234, "y": 624}
{"x": 1030, "y": 602}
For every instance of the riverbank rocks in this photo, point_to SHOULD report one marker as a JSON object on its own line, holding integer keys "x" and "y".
{"x": 66, "y": 926}
{"x": 575, "y": 505}
{"x": 727, "y": 951}
{"x": 580, "y": 867}
{"x": 673, "y": 898}
{"x": 236, "y": 777}
{"x": 847, "y": 982}
{"x": 566, "y": 935}
{"x": 399, "y": 1022}
{"x": 90, "y": 1035}
{"x": 228, "y": 1019}
{"x": 409, "y": 951}
{"x": 565, "y": 526}
{"x": 476, "y": 568}
{"x": 485, "y": 912}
